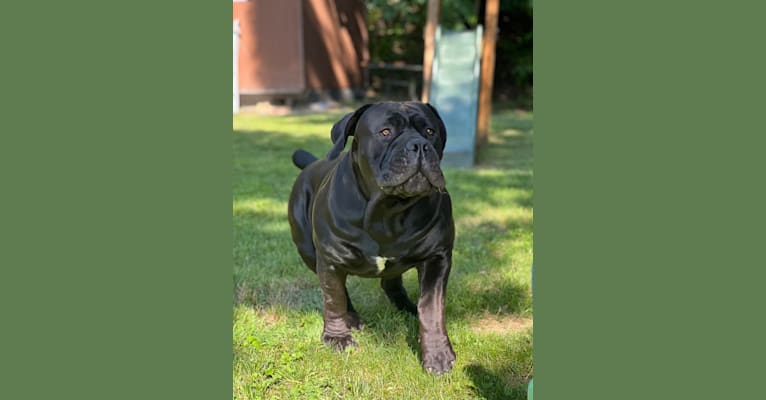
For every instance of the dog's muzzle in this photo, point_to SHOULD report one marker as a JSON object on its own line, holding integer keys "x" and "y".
{"x": 412, "y": 170}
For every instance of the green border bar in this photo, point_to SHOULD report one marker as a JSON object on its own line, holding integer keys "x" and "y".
{"x": 115, "y": 161}
{"x": 648, "y": 199}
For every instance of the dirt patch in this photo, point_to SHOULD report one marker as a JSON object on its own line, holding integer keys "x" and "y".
{"x": 500, "y": 325}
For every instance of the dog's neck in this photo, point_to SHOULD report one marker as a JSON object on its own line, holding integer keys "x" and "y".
{"x": 387, "y": 216}
{"x": 364, "y": 189}
{"x": 392, "y": 218}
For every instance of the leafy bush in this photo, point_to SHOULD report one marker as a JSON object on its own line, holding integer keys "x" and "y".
{"x": 396, "y": 34}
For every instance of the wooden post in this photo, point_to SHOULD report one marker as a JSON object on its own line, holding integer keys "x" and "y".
{"x": 429, "y": 37}
{"x": 487, "y": 71}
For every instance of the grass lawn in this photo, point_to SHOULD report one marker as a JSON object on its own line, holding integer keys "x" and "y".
{"x": 277, "y": 353}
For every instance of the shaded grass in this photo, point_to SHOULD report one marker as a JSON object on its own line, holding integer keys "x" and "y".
{"x": 277, "y": 301}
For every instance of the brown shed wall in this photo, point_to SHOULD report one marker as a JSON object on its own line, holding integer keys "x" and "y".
{"x": 335, "y": 37}
{"x": 287, "y": 46}
{"x": 271, "y": 46}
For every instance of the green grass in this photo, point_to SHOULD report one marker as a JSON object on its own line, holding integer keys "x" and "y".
{"x": 277, "y": 323}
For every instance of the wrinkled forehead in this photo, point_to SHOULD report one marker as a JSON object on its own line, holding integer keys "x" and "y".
{"x": 394, "y": 115}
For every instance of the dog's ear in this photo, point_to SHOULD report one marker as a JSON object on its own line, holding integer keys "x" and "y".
{"x": 441, "y": 127}
{"x": 343, "y": 129}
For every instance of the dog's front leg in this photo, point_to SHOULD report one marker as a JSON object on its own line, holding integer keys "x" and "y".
{"x": 336, "y": 332}
{"x": 436, "y": 349}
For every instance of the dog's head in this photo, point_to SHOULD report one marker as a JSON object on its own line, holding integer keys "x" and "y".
{"x": 398, "y": 146}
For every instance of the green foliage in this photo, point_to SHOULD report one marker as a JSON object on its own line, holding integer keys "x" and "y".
{"x": 396, "y": 27}
{"x": 396, "y": 30}
{"x": 396, "y": 34}
{"x": 277, "y": 320}
{"x": 513, "y": 54}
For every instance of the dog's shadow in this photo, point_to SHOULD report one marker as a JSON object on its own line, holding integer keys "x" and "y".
{"x": 383, "y": 322}
{"x": 410, "y": 327}
{"x": 488, "y": 385}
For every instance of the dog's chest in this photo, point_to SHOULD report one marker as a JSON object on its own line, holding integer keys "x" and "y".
{"x": 380, "y": 262}
{"x": 391, "y": 254}
{"x": 393, "y": 257}
{"x": 380, "y": 266}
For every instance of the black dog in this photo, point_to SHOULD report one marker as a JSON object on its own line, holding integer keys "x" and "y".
{"x": 376, "y": 212}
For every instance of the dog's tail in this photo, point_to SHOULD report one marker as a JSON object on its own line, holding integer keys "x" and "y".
{"x": 302, "y": 158}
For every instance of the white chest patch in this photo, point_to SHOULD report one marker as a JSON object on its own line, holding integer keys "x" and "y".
{"x": 381, "y": 262}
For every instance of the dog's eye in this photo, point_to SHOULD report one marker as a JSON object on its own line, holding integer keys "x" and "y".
{"x": 385, "y": 132}
{"x": 429, "y": 131}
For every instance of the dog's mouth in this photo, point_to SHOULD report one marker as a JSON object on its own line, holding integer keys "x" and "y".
{"x": 419, "y": 182}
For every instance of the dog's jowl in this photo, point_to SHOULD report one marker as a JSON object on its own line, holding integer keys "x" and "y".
{"x": 376, "y": 211}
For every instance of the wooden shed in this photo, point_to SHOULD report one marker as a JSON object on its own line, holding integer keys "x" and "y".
{"x": 293, "y": 48}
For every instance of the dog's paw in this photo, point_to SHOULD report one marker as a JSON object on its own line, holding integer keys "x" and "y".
{"x": 439, "y": 361}
{"x": 353, "y": 321}
{"x": 338, "y": 343}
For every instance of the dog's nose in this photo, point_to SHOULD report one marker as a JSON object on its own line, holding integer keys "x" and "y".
{"x": 418, "y": 145}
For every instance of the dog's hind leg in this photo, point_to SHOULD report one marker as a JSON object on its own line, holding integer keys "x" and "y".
{"x": 398, "y": 295}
